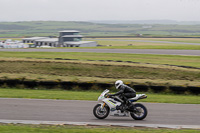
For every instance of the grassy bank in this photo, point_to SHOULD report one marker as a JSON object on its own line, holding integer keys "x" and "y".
{"x": 103, "y": 68}
{"x": 92, "y": 95}
{"x": 98, "y": 69}
{"x": 95, "y": 70}
{"x": 19, "y": 128}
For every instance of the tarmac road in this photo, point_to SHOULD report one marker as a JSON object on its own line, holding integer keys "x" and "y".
{"x": 130, "y": 51}
{"x": 81, "y": 111}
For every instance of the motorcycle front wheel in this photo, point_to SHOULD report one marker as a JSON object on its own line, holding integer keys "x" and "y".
{"x": 139, "y": 111}
{"x": 101, "y": 113}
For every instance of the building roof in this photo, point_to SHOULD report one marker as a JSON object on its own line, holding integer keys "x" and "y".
{"x": 78, "y": 42}
{"x": 47, "y": 40}
{"x": 72, "y": 36}
{"x": 34, "y": 38}
{"x": 70, "y": 31}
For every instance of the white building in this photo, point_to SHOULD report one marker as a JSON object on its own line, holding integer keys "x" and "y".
{"x": 12, "y": 44}
{"x": 67, "y": 38}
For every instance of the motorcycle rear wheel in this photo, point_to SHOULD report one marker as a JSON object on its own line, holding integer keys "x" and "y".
{"x": 101, "y": 113}
{"x": 139, "y": 112}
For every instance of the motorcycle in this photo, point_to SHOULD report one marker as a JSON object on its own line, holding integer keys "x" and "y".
{"x": 113, "y": 106}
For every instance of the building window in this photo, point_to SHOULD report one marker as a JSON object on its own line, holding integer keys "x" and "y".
{"x": 77, "y": 39}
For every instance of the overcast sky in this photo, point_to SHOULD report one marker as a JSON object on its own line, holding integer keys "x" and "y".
{"x": 85, "y": 10}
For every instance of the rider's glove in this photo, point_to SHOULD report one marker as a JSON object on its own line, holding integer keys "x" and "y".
{"x": 109, "y": 95}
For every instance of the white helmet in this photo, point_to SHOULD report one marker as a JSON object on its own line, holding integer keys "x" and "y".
{"x": 118, "y": 83}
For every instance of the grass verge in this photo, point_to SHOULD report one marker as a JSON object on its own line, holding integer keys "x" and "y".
{"x": 92, "y": 95}
{"x": 97, "y": 67}
{"x": 144, "y": 45}
{"x": 97, "y": 71}
{"x": 148, "y": 43}
{"x": 20, "y": 128}
{"x": 193, "y": 61}
{"x": 89, "y": 67}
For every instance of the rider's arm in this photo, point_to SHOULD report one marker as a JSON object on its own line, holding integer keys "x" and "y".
{"x": 119, "y": 92}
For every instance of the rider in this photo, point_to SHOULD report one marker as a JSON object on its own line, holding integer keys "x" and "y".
{"x": 126, "y": 91}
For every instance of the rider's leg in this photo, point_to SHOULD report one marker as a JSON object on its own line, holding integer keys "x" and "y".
{"x": 125, "y": 102}
{"x": 122, "y": 106}
{"x": 127, "y": 96}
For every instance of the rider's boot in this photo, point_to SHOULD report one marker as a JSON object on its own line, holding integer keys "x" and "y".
{"x": 123, "y": 107}
{"x": 129, "y": 104}
{"x": 126, "y": 104}
{"x": 131, "y": 107}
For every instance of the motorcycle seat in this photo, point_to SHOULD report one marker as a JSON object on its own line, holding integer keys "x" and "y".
{"x": 137, "y": 97}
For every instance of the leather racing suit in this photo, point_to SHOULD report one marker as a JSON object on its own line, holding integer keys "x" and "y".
{"x": 126, "y": 92}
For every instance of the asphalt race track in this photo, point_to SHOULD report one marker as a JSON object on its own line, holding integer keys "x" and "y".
{"x": 183, "y": 115}
{"x": 130, "y": 51}
{"x": 81, "y": 111}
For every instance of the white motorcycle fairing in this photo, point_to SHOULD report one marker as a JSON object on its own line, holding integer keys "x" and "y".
{"x": 137, "y": 97}
{"x": 112, "y": 105}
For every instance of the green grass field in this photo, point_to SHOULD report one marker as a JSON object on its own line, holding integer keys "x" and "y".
{"x": 19, "y": 128}
{"x": 124, "y": 43}
{"x": 193, "y": 61}
{"x": 184, "y": 40}
{"x": 51, "y": 28}
{"x": 146, "y": 46}
{"x": 151, "y": 69}
{"x": 92, "y": 95}
{"x": 95, "y": 70}
{"x": 147, "y": 68}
